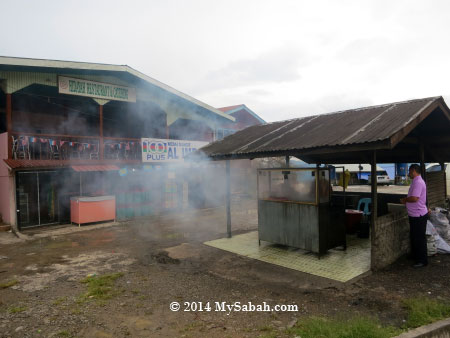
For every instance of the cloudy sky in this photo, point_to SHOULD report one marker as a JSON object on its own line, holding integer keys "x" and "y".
{"x": 283, "y": 59}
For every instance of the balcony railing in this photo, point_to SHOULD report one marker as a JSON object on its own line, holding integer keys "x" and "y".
{"x": 123, "y": 149}
{"x": 63, "y": 147}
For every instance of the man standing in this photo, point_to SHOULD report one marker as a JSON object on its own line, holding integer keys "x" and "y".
{"x": 418, "y": 216}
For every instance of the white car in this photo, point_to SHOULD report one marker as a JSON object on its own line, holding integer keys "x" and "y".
{"x": 382, "y": 178}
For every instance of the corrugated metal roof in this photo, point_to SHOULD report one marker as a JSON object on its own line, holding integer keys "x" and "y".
{"x": 350, "y": 127}
{"x": 83, "y": 168}
{"x": 56, "y": 164}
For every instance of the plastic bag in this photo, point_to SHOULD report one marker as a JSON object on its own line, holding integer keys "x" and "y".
{"x": 431, "y": 245}
{"x": 441, "y": 245}
{"x": 440, "y": 222}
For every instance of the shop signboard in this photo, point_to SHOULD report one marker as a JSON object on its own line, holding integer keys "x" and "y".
{"x": 163, "y": 150}
{"x": 98, "y": 90}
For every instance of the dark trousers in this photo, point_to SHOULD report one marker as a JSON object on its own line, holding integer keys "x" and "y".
{"x": 417, "y": 228}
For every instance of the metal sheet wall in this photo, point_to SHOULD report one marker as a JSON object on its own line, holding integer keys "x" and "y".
{"x": 436, "y": 188}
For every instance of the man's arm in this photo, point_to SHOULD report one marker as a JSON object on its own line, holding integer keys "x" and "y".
{"x": 410, "y": 199}
{"x": 415, "y": 192}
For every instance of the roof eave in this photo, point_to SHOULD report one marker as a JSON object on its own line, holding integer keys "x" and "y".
{"x": 57, "y": 64}
{"x": 368, "y": 146}
{"x": 421, "y": 115}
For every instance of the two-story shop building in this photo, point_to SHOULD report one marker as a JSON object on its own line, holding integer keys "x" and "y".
{"x": 77, "y": 129}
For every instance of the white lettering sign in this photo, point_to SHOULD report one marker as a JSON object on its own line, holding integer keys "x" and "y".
{"x": 99, "y": 90}
{"x": 163, "y": 150}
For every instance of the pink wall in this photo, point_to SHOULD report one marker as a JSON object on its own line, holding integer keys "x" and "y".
{"x": 4, "y": 180}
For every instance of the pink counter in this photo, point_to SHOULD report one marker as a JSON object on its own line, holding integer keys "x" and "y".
{"x": 92, "y": 209}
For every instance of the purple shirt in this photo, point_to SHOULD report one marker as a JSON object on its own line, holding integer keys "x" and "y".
{"x": 417, "y": 189}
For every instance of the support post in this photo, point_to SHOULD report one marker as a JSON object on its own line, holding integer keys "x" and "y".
{"x": 228, "y": 183}
{"x": 100, "y": 145}
{"x": 359, "y": 178}
{"x": 9, "y": 124}
{"x": 287, "y": 161}
{"x": 374, "y": 197}
{"x": 442, "y": 164}
{"x": 422, "y": 160}
{"x": 343, "y": 187}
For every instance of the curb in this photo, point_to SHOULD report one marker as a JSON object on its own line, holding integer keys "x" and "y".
{"x": 5, "y": 227}
{"x": 440, "y": 329}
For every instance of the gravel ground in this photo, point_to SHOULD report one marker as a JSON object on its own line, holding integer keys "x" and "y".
{"x": 164, "y": 260}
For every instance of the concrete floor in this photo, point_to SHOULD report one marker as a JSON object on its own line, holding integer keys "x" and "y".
{"x": 337, "y": 264}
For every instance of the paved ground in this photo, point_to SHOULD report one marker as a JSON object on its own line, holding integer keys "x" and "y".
{"x": 164, "y": 260}
{"x": 337, "y": 264}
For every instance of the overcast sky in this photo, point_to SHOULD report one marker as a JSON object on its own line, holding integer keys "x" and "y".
{"x": 283, "y": 59}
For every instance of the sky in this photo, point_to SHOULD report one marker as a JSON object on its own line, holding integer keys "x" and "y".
{"x": 283, "y": 59}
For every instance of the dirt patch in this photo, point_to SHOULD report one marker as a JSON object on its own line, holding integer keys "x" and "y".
{"x": 163, "y": 257}
{"x": 71, "y": 269}
{"x": 183, "y": 251}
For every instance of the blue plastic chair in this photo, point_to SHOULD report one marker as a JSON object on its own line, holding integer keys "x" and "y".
{"x": 364, "y": 204}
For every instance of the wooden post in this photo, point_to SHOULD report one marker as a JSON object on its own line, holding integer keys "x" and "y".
{"x": 422, "y": 161}
{"x": 228, "y": 198}
{"x": 9, "y": 124}
{"x": 343, "y": 187}
{"x": 442, "y": 164}
{"x": 374, "y": 186}
{"x": 100, "y": 145}
{"x": 287, "y": 161}
{"x": 374, "y": 196}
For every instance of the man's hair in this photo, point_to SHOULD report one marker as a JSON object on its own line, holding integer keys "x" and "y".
{"x": 416, "y": 168}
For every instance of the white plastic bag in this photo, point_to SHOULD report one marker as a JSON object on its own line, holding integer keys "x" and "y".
{"x": 441, "y": 223}
{"x": 441, "y": 245}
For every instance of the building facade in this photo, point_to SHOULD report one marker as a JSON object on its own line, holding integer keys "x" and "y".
{"x": 244, "y": 117}
{"x": 75, "y": 129}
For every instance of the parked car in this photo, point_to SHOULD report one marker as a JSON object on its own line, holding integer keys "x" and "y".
{"x": 382, "y": 178}
{"x": 437, "y": 167}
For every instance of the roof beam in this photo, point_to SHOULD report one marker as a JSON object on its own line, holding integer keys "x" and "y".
{"x": 414, "y": 122}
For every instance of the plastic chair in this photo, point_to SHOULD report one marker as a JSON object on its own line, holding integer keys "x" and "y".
{"x": 14, "y": 147}
{"x": 54, "y": 152}
{"x": 94, "y": 152}
{"x": 364, "y": 205}
{"x": 23, "y": 148}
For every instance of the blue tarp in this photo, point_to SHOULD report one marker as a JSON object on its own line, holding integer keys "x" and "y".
{"x": 390, "y": 169}
{"x": 363, "y": 176}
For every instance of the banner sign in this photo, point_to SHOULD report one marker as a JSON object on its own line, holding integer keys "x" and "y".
{"x": 98, "y": 90}
{"x": 162, "y": 150}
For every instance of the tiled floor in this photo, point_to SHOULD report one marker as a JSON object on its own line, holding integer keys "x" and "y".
{"x": 336, "y": 264}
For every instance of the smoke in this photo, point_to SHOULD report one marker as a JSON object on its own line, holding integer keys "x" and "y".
{"x": 143, "y": 191}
